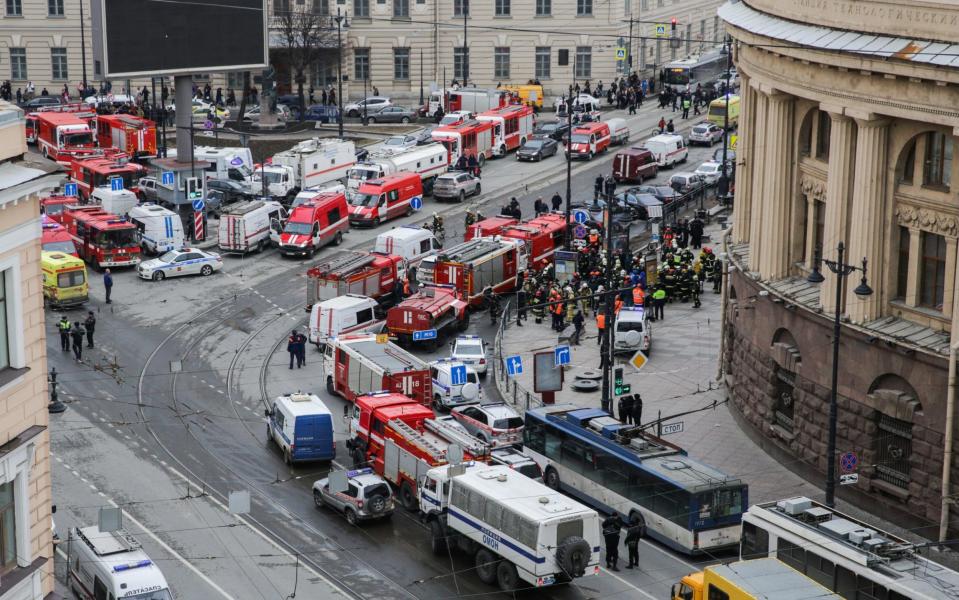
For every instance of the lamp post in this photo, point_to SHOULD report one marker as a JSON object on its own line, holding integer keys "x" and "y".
{"x": 569, "y": 166}
{"x": 339, "y": 70}
{"x": 466, "y": 63}
{"x": 724, "y": 178}
{"x": 841, "y": 270}
{"x": 83, "y": 52}
{"x": 606, "y": 347}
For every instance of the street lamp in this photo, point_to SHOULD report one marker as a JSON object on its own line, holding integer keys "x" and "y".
{"x": 724, "y": 178}
{"x": 842, "y": 270}
{"x": 569, "y": 165}
{"x": 339, "y": 18}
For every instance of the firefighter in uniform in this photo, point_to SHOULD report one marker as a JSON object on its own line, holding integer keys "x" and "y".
{"x": 539, "y": 311}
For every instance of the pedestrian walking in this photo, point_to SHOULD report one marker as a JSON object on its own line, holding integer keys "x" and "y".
{"x": 611, "y": 528}
{"x": 521, "y": 307}
{"x": 556, "y": 201}
{"x": 578, "y": 322}
{"x": 76, "y": 333}
{"x": 108, "y": 284}
{"x": 634, "y": 533}
{"x": 291, "y": 346}
{"x": 637, "y": 413}
{"x": 300, "y": 350}
{"x": 91, "y": 324}
{"x": 64, "y": 327}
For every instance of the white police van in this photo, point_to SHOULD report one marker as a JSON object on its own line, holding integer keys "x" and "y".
{"x": 446, "y": 394}
{"x": 112, "y": 565}
{"x": 302, "y": 427}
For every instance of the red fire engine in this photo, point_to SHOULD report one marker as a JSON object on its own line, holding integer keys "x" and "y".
{"x": 469, "y": 138}
{"x": 93, "y": 171}
{"x": 55, "y": 238}
{"x": 435, "y": 307}
{"x": 63, "y": 135}
{"x": 134, "y": 135}
{"x": 512, "y": 126}
{"x": 543, "y": 236}
{"x": 369, "y": 274}
{"x": 488, "y": 227}
{"x": 102, "y": 239}
{"x": 53, "y": 206}
{"x": 401, "y": 441}
{"x": 362, "y": 363}
{"x": 475, "y": 265}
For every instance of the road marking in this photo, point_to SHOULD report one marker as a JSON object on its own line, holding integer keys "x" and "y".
{"x": 623, "y": 581}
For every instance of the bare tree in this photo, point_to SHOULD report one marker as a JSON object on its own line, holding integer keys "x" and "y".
{"x": 304, "y": 33}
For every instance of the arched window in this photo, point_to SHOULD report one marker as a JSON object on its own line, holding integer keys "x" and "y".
{"x": 896, "y": 404}
{"x": 788, "y": 360}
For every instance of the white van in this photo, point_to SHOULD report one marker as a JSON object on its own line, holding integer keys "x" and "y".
{"x": 632, "y": 331}
{"x": 112, "y": 564}
{"x": 351, "y": 313}
{"x": 446, "y": 394}
{"x": 667, "y": 149}
{"x": 115, "y": 202}
{"x": 227, "y": 163}
{"x": 160, "y": 229}
{"x": 251, "y": 226}
{"x": 618, "y": 131}
{"x": 410, "y": 242}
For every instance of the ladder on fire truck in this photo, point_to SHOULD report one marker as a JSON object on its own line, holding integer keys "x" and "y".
{"x": 475, "y": 446}
{"x": 470, "y": 250}
{"x": 436, "y": 453}
{"x": 342, "y": 264}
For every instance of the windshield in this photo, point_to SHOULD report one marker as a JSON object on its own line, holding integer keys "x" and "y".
{"x": 720, "y": 503}
{"x": 297, "y": 228}
{"x": 168, "y": 257}
{"x": 367, "y": 200}
{"x": 380, "y": 489}
{"x": 469, "y": 350}
{"x": 53, "y": 209}
{"x": 77, "y": 139}
{"x": 580, "y": 138}
{"x": 471, "y": 377}
{"x": 534, "y": 145}
{"x": 65, "y": 247}
{"x": 450, "y": 119}
{"x": 156, "y": 595}
{"x": 104, "y": 179}
{"x": 271, "y": 177}
{"x": 358, "y": 174}
{"x": 121, "y": 238}
{"x": 451, "y": 145}
{"x": 708, "y": 168}
{"x": 395, "y": 142}
{"x": 717, "y": 110}
{"x": 531, "y": 470}
{"x": 677, "y": 76}
{"x": 547, "y": 127}
{"x": 510, "y": 423}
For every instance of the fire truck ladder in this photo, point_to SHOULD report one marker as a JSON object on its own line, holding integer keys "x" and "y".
{"x": 475, "y": 446}
{"x": 417, "y": 438}
{"x": 343, "y": 264}
{"x": 470, "y": 250}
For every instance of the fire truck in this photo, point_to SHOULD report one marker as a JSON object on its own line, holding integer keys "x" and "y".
{"x": 472, "y": 99}
{"x": 469, "y": 138}
{"x": 362, "y": 363}
{"x": 53, "y": 206}
{"x": 131, "y": 134}
{"x": 433, "y": 307}
{"x": 92, "y": 171}
{"x": 543, "y": 236}
{"x": 401, "y": 440}
{"x": 475, "y": 265}
{"x": 102, "y": 239}
{"x": 369, "y": 274}
{"x": 63, "y": 135}
{"x": 488, "y": 227}
{"x": 54, "y": 237}
{"x": 512, "y": 126}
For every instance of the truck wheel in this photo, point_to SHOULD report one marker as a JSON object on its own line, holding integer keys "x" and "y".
{"x": 502, "y": 150}
{"x": 329, "y": 386}
{"x": 317, "y": 499}
{"x": 481, "y": 160}
{"x": 437, "y": 403}
{"x": 479, "y": 189}
{"x": 572, "y": 556}
{"x": 437, "y": 537}
{"x": 408, "y": 496}
{"x": 462, "y": 195}
{"x": 464, "y": 323}
{"x": 551, "y": 479}
{"x": 338, "y": 238}
{"x": 506, "y": 576}
{"x": 486, "y": 564}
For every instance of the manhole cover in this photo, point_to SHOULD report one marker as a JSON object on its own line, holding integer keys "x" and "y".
{"x": 593, "y": 375}
{"x": 585, "y": 385}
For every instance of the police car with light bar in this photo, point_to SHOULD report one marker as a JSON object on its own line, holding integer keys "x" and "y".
{"x": 112, "y": 564}
{"x": 188, "y": 261}
{"x": 470, "y": 350}
{"x": 367, "y": 496}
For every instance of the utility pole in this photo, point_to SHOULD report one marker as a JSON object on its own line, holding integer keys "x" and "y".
{"x": 421, "y": 77}
{"x": 339, "y": 71}
{"x": 569, "y": 166}
{"x": 466, "y": 62}
{"x": 724, "y": 177}
{"x": 83, "y": 52}
{"x": 629, "y": 51}
{"x": 607, "y": 346}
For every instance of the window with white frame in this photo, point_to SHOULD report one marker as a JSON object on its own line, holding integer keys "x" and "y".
{"x": 401, "y": 64}
{"x": 361, "y": 64}
{"x": 4, "y": 323}
{"x": 401, "y": 8}
{"x": 544, "y": 8}
{"x": 461, "y": 8}
{"x": 361, "y": 9}
{"x": 18, "y": 64}
{"x": 543, "y": 54}
{"x": 8, "y": 528}
{"x": 501, "y": 8}
{"x": 584, "y": 62}
{"x": 321, "y": 7}
{"x": 461, "y": 59}
{"x": 584, "y": 8}
{"x": 14, "y": 8}
{"x": 58, "y": 62}
{"x": 55, "y": 8}
{"x": 501, "y": 63}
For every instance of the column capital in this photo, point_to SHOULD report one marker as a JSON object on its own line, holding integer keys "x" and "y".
{"x": 835, "y": 111}
{"x": 779, "y": 97}
{"x": 872, "y": 123}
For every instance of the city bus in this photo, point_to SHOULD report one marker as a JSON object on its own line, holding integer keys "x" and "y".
{"x": 698, "y": 69}
{"x": 617, "y": 468}
{"x": 852, "y": 558}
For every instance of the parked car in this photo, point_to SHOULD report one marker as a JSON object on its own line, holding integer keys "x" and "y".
{"x": 495, "y": 423}
{"x": 367, "y": 496}
{"x": 40, "y": 102}
{"x": 663, "y": 193}
{"x": 687, "y": 183}
{"x": 730, "y": 157}
{"x": 470, "y": 350}
{"x": 396, "y": 143}
{"x": 282, "y": 112}
{"x": 372, "y": 104}
{"x": 233, "y": 191}
{"x": 456, "y": 185}
{"x": 392, "y": 114}
{"x": 321, "y": 113}
{"x": 537, "y": 149}
{"x": 187, "y": 261}
{"x": 637, "y": 203}
{"x": 554, "y": 129}
{"x": 710, "y": 171}
{"x": 705, "y": 133}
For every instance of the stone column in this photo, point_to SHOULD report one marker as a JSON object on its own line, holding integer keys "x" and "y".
{"x": 912, "y": 281}
{"x": 810, "y": 249}
{"x": 744, "y": 157}
{"x": 838, "y": 200}
{"x": 777, "y": 187}
{"x": 948, "y": 290}
{"x": 758, "y": 164}
{"x": 866, "y": 238}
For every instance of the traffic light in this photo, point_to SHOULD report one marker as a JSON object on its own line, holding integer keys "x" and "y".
{"x": 620, "y": 388}
{"x": 673, "y": 23}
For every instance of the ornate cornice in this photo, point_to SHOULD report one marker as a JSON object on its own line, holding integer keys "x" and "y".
{"x": 927, "y": 220}
{"x": 814, "y": 188}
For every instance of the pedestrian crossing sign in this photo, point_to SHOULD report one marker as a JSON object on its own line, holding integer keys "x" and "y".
{"x": 660, "y": 30}
{"x": 620, "y": 53}
{"x": 639, "y": 360}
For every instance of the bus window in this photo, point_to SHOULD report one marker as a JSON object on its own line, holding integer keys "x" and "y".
{"x": 755, "y": 542}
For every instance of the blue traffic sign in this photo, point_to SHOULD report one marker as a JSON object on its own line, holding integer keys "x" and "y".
{"x": 208, "y": 124}
{"x": 70, "y": 189}
{"x": 198, "y": 205}
{"x": 581, "y": 216}
{"x": 514, "y": 365}
{"x": 458, "y": 375}
{"x": 416, "y": 203}
{"x": 848, "y": 462}
{"x": 237, "y": 161}
{"x": 116, "y": 184}
{"x": 426, "y": 334}
{"x": 167, "y": 178}
{"x": 579, "y": 231}
{"x": 561, "y": 356}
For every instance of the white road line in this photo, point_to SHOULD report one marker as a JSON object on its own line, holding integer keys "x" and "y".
{"x": 623, "y": 581}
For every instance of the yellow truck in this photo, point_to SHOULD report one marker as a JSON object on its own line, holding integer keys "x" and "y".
{"x": 758, "y": 579}
{"x": 528, "y": 94}
{"x": 64, "y": 279}
{"x": 718, "y": 108}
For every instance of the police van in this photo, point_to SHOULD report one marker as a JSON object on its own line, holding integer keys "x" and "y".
{"x": 159, "y": 229}
{"x": 302, "y": 427}
{"x": 446, "y": 394}
{"x": 632, "y": 330}
{"x": 110, "y": 565}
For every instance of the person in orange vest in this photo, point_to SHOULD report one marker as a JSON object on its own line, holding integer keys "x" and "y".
{"x": 600, "y": 327}
{"x": 639, "y": 296}
{"x": 406, "y": 287}
{"x": 618, "y": 304}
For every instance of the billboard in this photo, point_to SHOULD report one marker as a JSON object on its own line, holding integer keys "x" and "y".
{"x": 137, "y": 38}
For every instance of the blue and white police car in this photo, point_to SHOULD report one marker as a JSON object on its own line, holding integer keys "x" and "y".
{"x": 471, "y": 351}
{"x": 187, "y": 261}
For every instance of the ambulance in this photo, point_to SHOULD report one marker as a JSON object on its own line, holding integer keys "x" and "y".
{"x": 351, "y": 313}
{"x": 64, "y": 279}
{"x": 251, "y": 226}
{"x": 378, "y": 200}
{"x": 112, "y": 564}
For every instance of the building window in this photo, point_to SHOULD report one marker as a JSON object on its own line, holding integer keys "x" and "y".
{"x": 461, "y": 8}
{"x": 822, "y": 140}
{"x": 4, "y": 324}
{"x": 281, "y": 7}
{"x": 401, "y": 64}
{"x": 58, "y": 60}
{"x": 907, "y": 164}
{"x": 543, "y": 54}
{"x": 584, "y": 62}
{"x": 644, "y": 5}
{"x": 14, "y": 8}
{"x": 902, "y": 270}
{"x": 937, "y": 167}
{"x": 893, "y": 447}
{"x": 501, "y": 8}
{"x": 361, "y": 9}
{"x": 361, "y": 64}
{"x": 819, "y": 233}
{"x": 461, "y": 59}
{"x": 689, "y": 37}
{"x": 785, "y": 397}
{"x": 18, "y": 64}
{"x": 55, "y": 8}
{"x": 401, "y": 8}
{"x": 544, "y": 8}
{"x": 501, "y": 63}
{"x": 933, "y": 271}
{"x": 8, "y": 527}
{"x": 321, "y": 7}
{"x": 584, "y": 8}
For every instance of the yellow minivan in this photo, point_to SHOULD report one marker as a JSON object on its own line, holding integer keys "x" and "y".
{"x": 64, "y": 279}
{"x": 528, "y": 94}
{"x": 717, "y": 111}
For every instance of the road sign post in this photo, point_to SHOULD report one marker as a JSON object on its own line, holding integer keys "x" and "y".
{"x": 670, "y": 428}
{"x": 416, "y": 203}
{"x": 425, "y": 334}
{"x": 116, "y": 184}
{"x": 168, "y": 178}
{"x": 562, "y": 355}
{"x": 458, "y": 375}
{"x": 638, "y": 360}
{"x": 71, "y": 189}
{"x": 198, "y": 233}
{"x": 581, "y": 217}
{"x": 514, "y": 365}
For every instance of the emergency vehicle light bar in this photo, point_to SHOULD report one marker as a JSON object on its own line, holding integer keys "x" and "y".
{"x": 358, "y": 472}
{"x": 126, "y": 567}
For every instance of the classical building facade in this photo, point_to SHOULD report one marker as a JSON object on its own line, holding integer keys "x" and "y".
{"x": 26, "y": 546}
{"x": 847, "y": 136}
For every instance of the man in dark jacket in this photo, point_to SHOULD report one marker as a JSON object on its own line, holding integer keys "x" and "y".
{"x": 696, "y": 232}
{"x": 291, "y": 346}
{"x": 300, "y": 350}
{"x": 90, "y": 324}
{"x": 611, "y": 528}
{"x": 556, "y": 201}
{"x": 634, "y": 533}
{"x": 108, "y": 284}
{"x": 578, "y": 322}
{"x": 76, "y": 334}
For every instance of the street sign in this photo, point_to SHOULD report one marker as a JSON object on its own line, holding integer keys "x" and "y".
{"x": 70, "y": 189}
{"x": 514, "y": 365}
{"x": 416, "y": 203}
{"x": 198, "y": 205}
{"x": 208, "y": 124}
{"x": 237, "y": 161}
{"x": 660, "y": 30}
{"x": 458, "y": 374}
{"x": 671, "y": 428}
{"x": 849, "y": 478}
{"x": 639, "y": 360}
{"x": 848, "y": 462}
{"x": 167, "y": 178}
{"x": 579, "y": 232}
{"x": 620, "y": 53}
{"x": 426, "y": 334}
{"x": 116, "y": 184}
{"x": 561, "y": 355}
{"x": 581, "y": 216}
